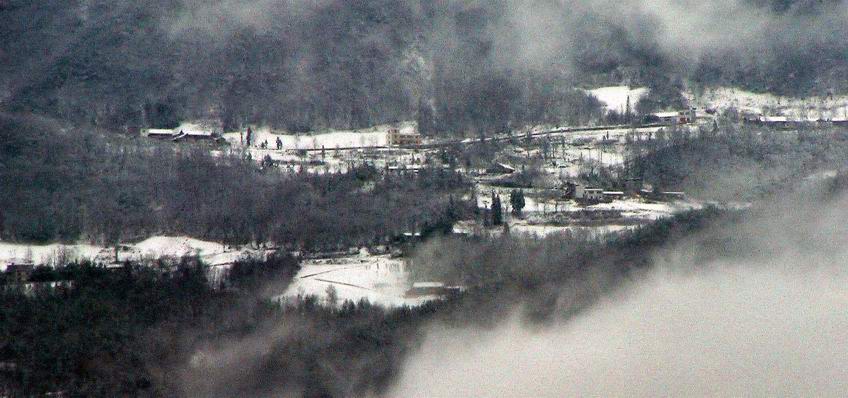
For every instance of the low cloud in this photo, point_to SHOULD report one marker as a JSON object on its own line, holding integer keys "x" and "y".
{"x": 770, "y": 322}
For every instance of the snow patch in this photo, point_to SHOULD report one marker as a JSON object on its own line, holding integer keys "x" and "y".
{"x": 157, "y": 247}
{"x": 379, "y": 279}
{"x": 832, "y": 107}
{"x": 615, "y": 98}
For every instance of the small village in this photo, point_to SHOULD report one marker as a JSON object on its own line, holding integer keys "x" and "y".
{"x": 532, "y": 183}
{"x": 377, "y": 198}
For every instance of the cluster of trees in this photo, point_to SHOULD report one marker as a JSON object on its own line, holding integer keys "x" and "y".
{"x": 68, "y": 184}
{"x": 495, "y": 214}
{"x": 523, "y": 265}
{"x": 729, "y": 162}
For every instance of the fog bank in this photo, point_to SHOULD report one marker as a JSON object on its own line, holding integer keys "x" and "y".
{"x": 722, "y": 333}
{"x": 768, "y": 322}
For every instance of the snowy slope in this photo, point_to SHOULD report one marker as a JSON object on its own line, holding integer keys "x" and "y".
{"x": 379, "y": 279}
{"x": 179, "y": 246}
{"x": 724, "y": 98}
{"x": 157, "y": 247}
{"x": 45, "y": 254}
{"x": 614, "y": 98}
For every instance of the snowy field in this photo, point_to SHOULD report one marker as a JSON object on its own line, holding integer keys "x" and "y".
{"x": 645, "y": 210}
{"x": 17, "y": 253}
{"x": 157, "y": 247}
{"x": 724, "y": 98}
{"x": 371, "y": 137}
{"x": 542, "y": 217}
{"x": 542, "y": 231}
{"x": 379, "y": 279}
{"x": 614, "y": 98}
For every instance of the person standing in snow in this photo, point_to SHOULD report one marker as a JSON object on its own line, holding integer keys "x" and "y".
{"x": 279, "y": 143}
{"x": 249, "y": 136}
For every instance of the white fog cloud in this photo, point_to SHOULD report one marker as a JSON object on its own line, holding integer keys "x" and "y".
{"x": 771, "y": 325}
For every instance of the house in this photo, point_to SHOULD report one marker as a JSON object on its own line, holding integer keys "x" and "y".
{"x": 840, "y": 122}
{"x": 783, "y": 122}
{"x": 593, "y": 194}
{"x": 671, "y": 195}
{"x": 613, "y": 195}
{"x": 19, "y": 272}
{"x": 406, "y": 238}
{"x": 397, "y": 138}
{"x": 663, "y": 195}
{"x": 500, "y": 168}
{"x": 186, "y": 132}
{"x": 159, "y": 134}
{"x": 195, "y": 136}
{"x": 465, "y": 228}
{"x": 573, "y": 190}
{"x": 672, "y": 117}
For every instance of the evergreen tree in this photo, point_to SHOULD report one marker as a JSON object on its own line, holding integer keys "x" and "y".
{"x": 497, "y": 216}
{"x": 516, "y": 200}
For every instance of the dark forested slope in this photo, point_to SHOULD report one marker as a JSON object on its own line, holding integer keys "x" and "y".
{"x": 455, "y": 66}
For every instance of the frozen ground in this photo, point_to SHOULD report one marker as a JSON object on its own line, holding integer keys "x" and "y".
{"x": 379, "y": 279}
{"x": 615, "y": 98}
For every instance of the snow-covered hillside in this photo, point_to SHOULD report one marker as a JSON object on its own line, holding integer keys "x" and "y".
{"x": 17, "y": 253}
{"x": 813, "y": 108}
{"x": 157, "y": 247}
{"x": 379, "y": 279}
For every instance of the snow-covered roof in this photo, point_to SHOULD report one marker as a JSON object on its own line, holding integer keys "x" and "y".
{"x": 159, "y": 132}
{"x": 195, "y": 129}
{"x": 613, "y": 193}
{"x": 422, "y": 285}
{"x": 667, "y": 114}
{"x": 199, "y": 133}
{"x": 506, "y": 166}
{"x": 774, "y": 118}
